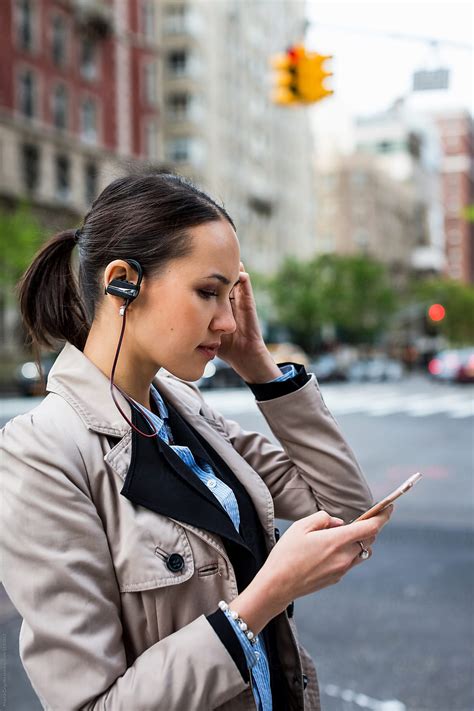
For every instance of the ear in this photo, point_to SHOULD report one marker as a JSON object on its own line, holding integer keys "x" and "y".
{"x": 118, "y": 269}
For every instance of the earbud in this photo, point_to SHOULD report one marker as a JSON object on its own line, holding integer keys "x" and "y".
{"x": 126, "y": 289}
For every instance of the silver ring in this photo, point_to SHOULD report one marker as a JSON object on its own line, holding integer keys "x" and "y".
{"x": 364, "y": 554}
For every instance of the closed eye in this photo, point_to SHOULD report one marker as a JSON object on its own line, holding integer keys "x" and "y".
{"x": 206, "y": 294}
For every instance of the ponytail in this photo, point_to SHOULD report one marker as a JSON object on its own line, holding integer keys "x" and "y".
{"x": 50, "y": 304}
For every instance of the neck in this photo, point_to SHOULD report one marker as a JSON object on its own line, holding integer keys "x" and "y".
{"x": 132, "y": 374}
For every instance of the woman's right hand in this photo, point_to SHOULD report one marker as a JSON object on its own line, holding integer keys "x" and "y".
{"x": 316, "y": 552}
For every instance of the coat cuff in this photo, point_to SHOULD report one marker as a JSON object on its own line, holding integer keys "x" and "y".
{"x": 229, "y": 639}
{"x": 277, "y": 388}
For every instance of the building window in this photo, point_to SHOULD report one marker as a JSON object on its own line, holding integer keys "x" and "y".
{"x": 89, "y": 121}
{"x": 361, "y": 238}
{"x": 184, "y": 149}
{"x": 454, "y": 237}
{"x": 30, "y": 166}
{"x": 178, "y": 149}
{"x": 151, "y": 140}
{"x": 177, "y": 61}
{"x": 60, "y": 107}
{"x": 88, "y": 60}
{"x": 59, "y": 41}
{"x": 63, "y": 177}
{"x": 150, "y": 83}
{"x": 178, "y": 105}
{"x": 358, "y": 178}
{"x": 175, "y": 19}
{"x": 27, "y": 93}
{"x": 90, "y": 182}
{"x": 25, "y": 24}
{"x": 148, "y": 19}
{"x": 328, "y": 243}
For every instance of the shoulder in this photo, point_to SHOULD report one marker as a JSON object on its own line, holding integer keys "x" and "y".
{"x": 48, "y": 437}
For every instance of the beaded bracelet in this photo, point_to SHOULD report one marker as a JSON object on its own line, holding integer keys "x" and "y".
{"x": 242, "y": 625}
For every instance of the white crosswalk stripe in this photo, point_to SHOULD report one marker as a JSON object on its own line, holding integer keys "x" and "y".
{"x": 375, "y": 400}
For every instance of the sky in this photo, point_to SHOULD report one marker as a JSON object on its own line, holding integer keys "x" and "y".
{"x": 371, "y": 71}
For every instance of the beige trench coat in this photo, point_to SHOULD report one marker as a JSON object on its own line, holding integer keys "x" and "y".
{"x": 106, "y": 625}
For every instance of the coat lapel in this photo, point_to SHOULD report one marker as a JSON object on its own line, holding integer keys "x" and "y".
{"x": 159, "y": 480}
{"x": 247, "y": 476}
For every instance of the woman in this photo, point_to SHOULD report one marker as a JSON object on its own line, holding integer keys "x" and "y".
{"x": 137, "y": 523}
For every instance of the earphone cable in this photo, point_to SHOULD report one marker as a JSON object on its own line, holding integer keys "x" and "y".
{"x": 123, "y": 311}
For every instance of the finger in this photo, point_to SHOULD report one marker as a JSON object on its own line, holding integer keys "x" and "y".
{"x": 359, "y": 530}
{"x": 319, "y": 520}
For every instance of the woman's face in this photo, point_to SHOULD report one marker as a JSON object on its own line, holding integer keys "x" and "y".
{"x": 186, "y": 306}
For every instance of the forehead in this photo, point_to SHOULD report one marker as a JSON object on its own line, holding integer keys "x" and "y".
{"x": 215, "y": 246}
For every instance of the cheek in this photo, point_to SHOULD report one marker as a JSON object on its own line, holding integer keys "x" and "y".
{"x": 183, "y": 320}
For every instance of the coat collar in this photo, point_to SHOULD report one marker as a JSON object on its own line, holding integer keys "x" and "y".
{"x": 86, "y": 388}
{"x": 75, "y": 378}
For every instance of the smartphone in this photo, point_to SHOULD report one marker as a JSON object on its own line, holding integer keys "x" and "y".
{"x": 381, "y": 505}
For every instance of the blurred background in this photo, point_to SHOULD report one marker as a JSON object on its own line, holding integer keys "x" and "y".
{"x": 340, "y": 138}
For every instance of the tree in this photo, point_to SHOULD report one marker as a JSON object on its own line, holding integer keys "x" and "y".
{"x": 20, "y": 238}
{"x": 458, "y": 300}
{"x": 352, "y": 293}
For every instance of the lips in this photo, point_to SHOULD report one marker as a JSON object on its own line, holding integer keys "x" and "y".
{"x": 210, "y": 346}
{"x": 210, "y": 350}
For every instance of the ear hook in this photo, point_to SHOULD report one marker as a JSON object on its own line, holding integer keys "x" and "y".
{"x": 124, "y": 288}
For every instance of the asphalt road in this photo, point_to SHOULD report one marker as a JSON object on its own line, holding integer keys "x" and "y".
{"x": 397, "y": 633}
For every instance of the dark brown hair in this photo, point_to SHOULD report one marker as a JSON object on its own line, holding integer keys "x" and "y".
{"x": 143, "y": 217}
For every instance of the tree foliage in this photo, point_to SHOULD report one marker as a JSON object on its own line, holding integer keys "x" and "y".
{"x": 20, "y": 238}
{"x": 352, "y": 293}
{"x": 458, "y": 301}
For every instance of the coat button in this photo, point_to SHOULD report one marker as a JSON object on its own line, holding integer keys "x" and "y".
{"x": 175, "y": 562}
{"x": 290, "y": 609}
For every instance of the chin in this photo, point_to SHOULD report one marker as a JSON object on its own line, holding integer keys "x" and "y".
{"x": 189, "y": 374}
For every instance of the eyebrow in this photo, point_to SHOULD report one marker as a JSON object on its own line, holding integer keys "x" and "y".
{"x": 222, "y": 278}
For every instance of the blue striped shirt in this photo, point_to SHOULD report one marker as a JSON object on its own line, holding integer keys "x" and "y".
{"x": 255, "y": 654}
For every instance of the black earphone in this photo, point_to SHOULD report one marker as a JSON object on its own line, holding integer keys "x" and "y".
{"x": 128, "y": 291}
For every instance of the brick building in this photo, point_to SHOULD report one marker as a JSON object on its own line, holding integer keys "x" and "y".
{"x": 78, "y": 99}
{"x": 457, "y": 172}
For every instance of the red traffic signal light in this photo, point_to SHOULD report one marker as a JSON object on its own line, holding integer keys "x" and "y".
{"x": 436, "y": 312}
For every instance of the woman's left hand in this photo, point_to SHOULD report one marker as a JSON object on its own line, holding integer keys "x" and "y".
{"x": 246, "y": 345}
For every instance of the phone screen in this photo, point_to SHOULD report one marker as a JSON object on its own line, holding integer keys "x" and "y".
{"x": 381, "y": 505}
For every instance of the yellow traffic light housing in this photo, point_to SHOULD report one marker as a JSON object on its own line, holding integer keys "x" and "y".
{"x": 311, "y": 76}
{"x": 300, "y": 76}
{"x": 286, "y": 80}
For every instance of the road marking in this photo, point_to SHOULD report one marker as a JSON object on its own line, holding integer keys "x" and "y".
{"x": 372, "y": 402}
{"x": 362, "y": 700}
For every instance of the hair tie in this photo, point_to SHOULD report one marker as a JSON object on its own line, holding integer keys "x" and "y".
{"x": 77, "y": 234}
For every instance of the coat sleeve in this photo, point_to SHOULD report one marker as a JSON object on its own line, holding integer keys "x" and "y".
{"x": 57, "y": 569}
{"x": 313, "y": 467}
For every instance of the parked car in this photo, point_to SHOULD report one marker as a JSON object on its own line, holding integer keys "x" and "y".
{"x": 218, "y": 374}
{"x": 375, "y": 369}
{"x": 27, "y": 377}
{"x": 327, "y": 368}
{"x": 455, "y": 365}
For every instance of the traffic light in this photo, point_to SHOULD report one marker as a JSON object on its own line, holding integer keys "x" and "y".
{"x": 436, "y": 312}
{"x": 300, "y": 76}
{"x": 286, "y": 79}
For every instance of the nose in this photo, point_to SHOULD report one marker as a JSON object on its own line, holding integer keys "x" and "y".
{"x": 224, "y": 321}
